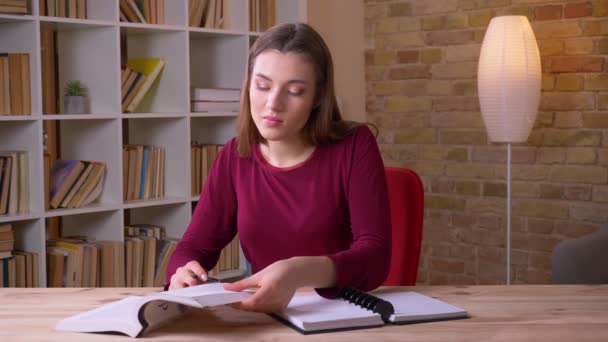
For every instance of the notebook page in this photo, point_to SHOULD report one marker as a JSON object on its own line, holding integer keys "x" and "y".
{"x": 313, "y": 312}
{"x": 412, "y": 307}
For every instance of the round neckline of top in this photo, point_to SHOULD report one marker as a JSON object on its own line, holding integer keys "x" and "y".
{"x": 266, "y": 164}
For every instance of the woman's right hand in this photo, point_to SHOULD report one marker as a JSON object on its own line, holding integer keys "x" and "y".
{"x": 190, "y": 274}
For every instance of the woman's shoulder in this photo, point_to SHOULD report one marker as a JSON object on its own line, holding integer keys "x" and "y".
{"x": 361, "y": 134}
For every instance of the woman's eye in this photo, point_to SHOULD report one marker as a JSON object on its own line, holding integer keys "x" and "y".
{"x": 262, "y": 86}
{"x": 295, "y": 92}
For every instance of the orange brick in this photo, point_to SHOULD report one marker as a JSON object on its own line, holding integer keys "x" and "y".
{"x": 579, "y": 174}
{"x": 567, "y": 101}
{"x": 566, "y": 137}
{"x": 456, "y": 103}
{"x": 589, "y": 212}
{"x": 464, "y": 137}
{"x": 400, "y": 10}
{"x": 551, "y": 47}
{"x": 582, "y": 9}
{"x": 568, "y": 119}
{"x": 569, "y": 82}
{"x": 577, "y": 192}
{"x": 573, "y": 64}
{"x": 602, "y": 101}
{"x": 595, "y": 120}
{"x": 548, "y": 12}
{"x": 596, "y": 81}
{"x": 600, "y": 8}
{"x": 438, "y": 38}
{"x": 595, "y": 28}
{"x": 551, "y": 191}
{"x": 409, "y": 72}
{"x": 560, "y": 29}
{"x": 582, "y": 46}
{"x": 600, "y": 193}
{"x": 410, "y": 56}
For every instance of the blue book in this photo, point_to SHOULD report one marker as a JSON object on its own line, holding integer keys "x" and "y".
{"x": 144, "y": 162}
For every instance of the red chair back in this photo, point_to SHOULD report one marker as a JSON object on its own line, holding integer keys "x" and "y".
{"x": 406, "y": 197}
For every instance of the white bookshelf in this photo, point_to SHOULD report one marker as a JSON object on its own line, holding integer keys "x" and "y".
{"x": 89, "y": 50}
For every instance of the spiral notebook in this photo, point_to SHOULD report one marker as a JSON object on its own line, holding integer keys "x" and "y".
{"x": 311, "y": 314}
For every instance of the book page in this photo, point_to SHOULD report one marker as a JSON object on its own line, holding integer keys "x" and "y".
{"x": 412, "y": 307}
{"x": 313, "y": 312}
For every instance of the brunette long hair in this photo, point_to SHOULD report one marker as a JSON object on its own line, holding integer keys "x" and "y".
{"x": 325, "y": 123}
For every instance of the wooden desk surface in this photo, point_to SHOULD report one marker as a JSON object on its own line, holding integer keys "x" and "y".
{"x": 498, "y": 313}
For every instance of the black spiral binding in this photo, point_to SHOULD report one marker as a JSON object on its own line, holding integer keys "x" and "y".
{"x": 369, "y": 302}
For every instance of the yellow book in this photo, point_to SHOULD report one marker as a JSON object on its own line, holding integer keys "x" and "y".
{"x": 151, "y": 68}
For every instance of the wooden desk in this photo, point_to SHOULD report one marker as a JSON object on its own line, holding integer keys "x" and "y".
{"x": 499, "y": 313}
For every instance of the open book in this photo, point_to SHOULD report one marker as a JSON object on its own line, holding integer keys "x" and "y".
{"x": 307, "y": 313}
{"x": 358, "y": 310}
{"x": 135, "y": 315}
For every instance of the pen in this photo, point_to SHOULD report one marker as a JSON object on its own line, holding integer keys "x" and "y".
{"x": 209, "y": 279}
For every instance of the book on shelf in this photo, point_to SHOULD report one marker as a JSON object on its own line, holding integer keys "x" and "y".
{"x": 151, "y": 68}
{"x": 308, "y": 313}
{"x": 15, "y": 96}
{"x": 143, "y": 172}
{"x": 214, "y": 106}
{"x": 215, "y": 94}
{"x": 14, "y": 7}
{"x": 14, "y": 184}
{"x": 142, "y": 11}
{"x": 75, "y": 183}
{"x": 76, "y": 9}
{"x": 262, "y": 14}
{"x": 17, "y": 268}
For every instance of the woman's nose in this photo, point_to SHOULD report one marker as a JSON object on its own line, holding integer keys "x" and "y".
{"x": 275, "y": 100}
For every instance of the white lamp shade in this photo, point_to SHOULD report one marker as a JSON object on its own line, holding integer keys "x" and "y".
{"x": 509, "y": 79}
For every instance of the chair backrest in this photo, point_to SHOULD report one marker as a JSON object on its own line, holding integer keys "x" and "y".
{"x": 406, "y": 197}
{"x": 583, "y": 260}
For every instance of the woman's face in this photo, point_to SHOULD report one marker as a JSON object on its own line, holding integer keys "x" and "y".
{"x": 281, "y": 94}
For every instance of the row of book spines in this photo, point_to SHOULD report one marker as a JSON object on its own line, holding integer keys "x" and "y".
{"x": 14, "y": 185}
{"x": 14, "y": 7}
{"x": 262, "y": 14}
{"x": 136, "y": 262}
{"x": 20, "y": 270}
{"x": 209, "y": 13}
{"x": 202, "y": 157}
{"x": 75, "y": 183}
{"x": 142, "y": 11}
{"x": 131, "y": 82}
{"x": 143, "y": 172}
{"x": 15, "y": 96}
{"x": 229, "y": 259}
{"x": 64, "y": 8}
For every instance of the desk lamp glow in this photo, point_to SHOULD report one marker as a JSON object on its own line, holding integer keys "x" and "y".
{"x": 509, "y": 83}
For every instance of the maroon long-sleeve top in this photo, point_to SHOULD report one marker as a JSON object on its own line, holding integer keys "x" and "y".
{"x": 333, "y": 204}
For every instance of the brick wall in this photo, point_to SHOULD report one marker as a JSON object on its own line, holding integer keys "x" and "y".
{"x": 421, "y": 91}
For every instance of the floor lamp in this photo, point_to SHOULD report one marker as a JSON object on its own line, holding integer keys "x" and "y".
{"x": 509, "y": 81}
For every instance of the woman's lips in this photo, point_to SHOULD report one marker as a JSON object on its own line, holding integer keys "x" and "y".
{"x": 272, "y": 121}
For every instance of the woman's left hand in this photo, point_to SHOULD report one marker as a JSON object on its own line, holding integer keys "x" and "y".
{"x": 276, "y": 285}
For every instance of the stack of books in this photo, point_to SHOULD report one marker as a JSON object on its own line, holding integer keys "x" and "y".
{"x": 14, "y": 184}
{"x": 61, "y": 8}
{"x": 137, "y": 77}
{"x": 142, "y": 11}
{"x": 202, "y": 157}
{"x": 147, "y": 251}
{"x": 14, "y": 7}
{"x": 208, "y": 100}
{"x": 143, "y": 172}
{"x": 15, "y": 97}
{"x": 17, "y": 268}
{"x": 228, "y": 264}
{"x": 78, "y": 261}
{"x": 75, "y": 183}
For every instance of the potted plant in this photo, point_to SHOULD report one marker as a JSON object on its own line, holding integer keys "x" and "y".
{"x": 75, "y": 98}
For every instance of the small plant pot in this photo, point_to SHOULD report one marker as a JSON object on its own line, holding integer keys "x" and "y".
{"x": 74, "y": 104}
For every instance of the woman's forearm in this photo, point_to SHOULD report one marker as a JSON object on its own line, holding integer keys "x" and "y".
{"x": 313, "y": 271}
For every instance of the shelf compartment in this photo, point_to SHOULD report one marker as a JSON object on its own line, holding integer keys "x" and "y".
{"x": 27, "y": 136}
{"x": 80, "y": 52}
{"x": 102, "y": 225}
{"x": 172, "y": 135}
{"x": 96, "y": 140}
{"x": 169, "y": 93}
{"x": 174, "y": 217}
{"x": 217, "y": 61}
{"x": 21, "y": 37}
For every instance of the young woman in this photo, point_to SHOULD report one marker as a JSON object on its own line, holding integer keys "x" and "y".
{"x": 305, "y": 189}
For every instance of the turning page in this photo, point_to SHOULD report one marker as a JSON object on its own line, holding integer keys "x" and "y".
{"x": 134, "y": 314}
